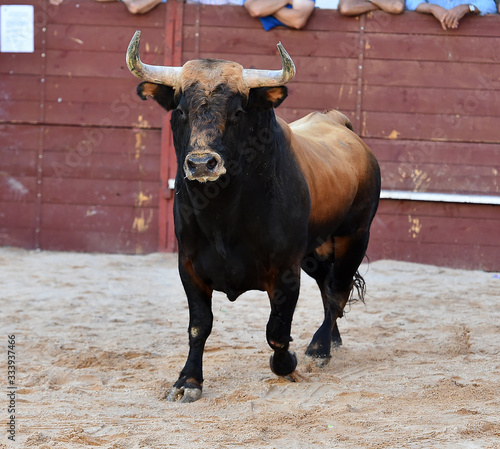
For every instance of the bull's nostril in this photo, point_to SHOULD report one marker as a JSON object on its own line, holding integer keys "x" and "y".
{"x": 191, "y": 164}
{"x": 212, "y": 163}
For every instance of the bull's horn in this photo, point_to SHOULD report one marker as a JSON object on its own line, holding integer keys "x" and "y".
{"x": 167, "y": 76}
{"x": 269, "y": 78}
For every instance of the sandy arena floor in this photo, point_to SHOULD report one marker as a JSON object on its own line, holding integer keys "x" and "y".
{"x": 101, "y": 338}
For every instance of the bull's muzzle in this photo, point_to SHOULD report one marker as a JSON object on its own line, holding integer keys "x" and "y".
{"x": 203, "y": 166}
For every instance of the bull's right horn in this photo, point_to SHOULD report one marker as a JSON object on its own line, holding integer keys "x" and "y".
{"x": 270, "y": 78}
{"x": 168, "y": 76}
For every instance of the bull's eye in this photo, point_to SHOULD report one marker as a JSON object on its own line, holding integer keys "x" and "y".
{"x": 180, "y": 113}
{"x": 236, "y": 116}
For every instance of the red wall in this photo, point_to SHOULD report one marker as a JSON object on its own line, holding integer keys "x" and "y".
{"x": 85, "y": 165}
{"x": 80, "y": 152}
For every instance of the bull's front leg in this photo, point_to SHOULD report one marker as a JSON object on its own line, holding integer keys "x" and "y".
{"x": 283, "y": 300}
{"x": 189, "y": 385}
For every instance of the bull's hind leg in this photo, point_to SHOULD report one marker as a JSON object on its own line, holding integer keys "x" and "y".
{"x": 336, "y": 276}
{"x": 328, "y": 333}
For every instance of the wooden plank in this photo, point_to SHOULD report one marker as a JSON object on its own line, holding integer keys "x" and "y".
{"x": 432, "y": 74}
{"x": 421, "y": 100}
{"x": 19, "y": 189}
{"x": 259, "y": 42}
{"x": 90, "y": 101}
{"x": 318, "y": 70}
{"x": 99, "y": 218}
{"x": 19, "y": 137}
{"x": 331, "y": 96}
{"x": 17, "y": 215}
{"x": 415, "y": 152}
{"x": 79, "y": 37}
{"x": 310, "y": 69}
{"x": 212, "y": 15}
{"x": 115, "y": 113}
{"x": 466, "y": 257}
{"x": 445, "y": 178}
{"x": 92, "y": 64}
{"x": 17, "y": 237}
{"x": 100, "y": 192}
{"x": 20, "y": 111}
{"x": 331, "y": 19}
{"x": 93, "y": 90}
{"x": 125, "y": 167}
{"x": 454, "y": 235}
{"x": 99, "y": 228}
{"x": 428, "y": 209}
{"x": 95, "y": 241}
{"x": 17, "y": 162}
{"x": 20, "y": 63}
{"x": 430, "y": 127}
{"x": 88, "y": 141}
{"x": 323, "y": 70}
{"x": 423, "y": 47}
{"x": 19, "y": 87}
{"x": 236, "y": 16}
{"x": 415, "y": 23}
{"x": 103, "y": 14}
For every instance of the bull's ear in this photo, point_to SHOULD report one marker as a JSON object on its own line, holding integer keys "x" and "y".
{"x": 164, "y": 95}
{"x": 265, "y": 98}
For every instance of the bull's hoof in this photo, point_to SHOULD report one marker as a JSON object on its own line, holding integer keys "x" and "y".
{"x": 283, "y": 363}
{"x": 319, "y": 351}
{"x": 319, "y": 362}
{"x": 336, "y": 341}
{"x": 184, "y": 395}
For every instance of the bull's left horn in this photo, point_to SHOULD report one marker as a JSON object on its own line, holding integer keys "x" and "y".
{"x": 168, "y": 76}
{"x": 269, "y": 78}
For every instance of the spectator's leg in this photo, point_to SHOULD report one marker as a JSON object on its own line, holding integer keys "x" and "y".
{"x": 141, "y": 6}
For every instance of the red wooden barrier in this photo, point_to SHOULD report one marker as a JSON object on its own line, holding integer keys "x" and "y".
{"x": 86, "y": 165}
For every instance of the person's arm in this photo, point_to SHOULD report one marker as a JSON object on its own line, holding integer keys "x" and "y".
{"x": 355, "y": 7}
{"x": 390, "y": 6}
{"x": 262, "y": 8}
{"x": 297, "y": 15}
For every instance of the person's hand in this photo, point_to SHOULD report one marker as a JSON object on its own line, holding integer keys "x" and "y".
{"x": 453, "y": 15}
{"x": 439, "y": 13}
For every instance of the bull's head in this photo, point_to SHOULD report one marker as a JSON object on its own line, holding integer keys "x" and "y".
{"x": 210, "y": 99}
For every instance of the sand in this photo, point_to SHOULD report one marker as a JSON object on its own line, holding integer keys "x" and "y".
{"x": 101, "y": 338}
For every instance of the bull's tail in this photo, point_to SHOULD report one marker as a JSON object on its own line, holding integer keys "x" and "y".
{"x": 360, "y": 286}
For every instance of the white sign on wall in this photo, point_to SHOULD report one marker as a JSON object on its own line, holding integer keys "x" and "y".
{"x": 17, "y": 29}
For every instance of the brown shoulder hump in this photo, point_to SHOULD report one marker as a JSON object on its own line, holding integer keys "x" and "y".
{"x": 338, "y": 117}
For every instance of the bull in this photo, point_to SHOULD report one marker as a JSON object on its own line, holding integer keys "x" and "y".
{"x": 257, "y": 200}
